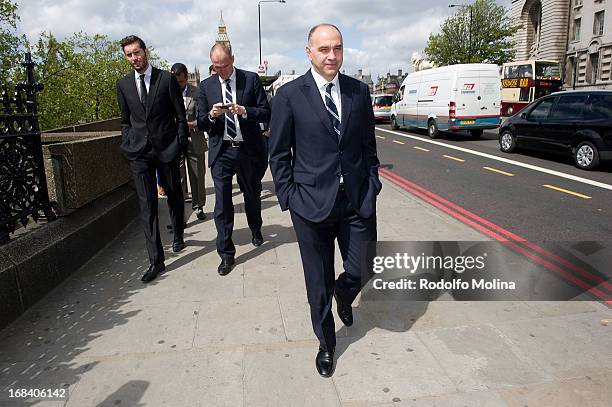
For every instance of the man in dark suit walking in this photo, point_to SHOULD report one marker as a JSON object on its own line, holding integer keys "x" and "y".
{"x": 323, "y": 160}
{"x": 154, "y": 130}
{"x": 231, "y": 104}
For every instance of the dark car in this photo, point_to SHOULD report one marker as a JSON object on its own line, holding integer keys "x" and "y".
{"x": 571, "y": 122}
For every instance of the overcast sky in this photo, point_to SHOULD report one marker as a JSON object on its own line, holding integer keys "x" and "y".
{"x": 379, "y": 36}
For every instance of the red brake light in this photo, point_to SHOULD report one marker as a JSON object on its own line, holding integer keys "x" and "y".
{"x": 452, "y": 110}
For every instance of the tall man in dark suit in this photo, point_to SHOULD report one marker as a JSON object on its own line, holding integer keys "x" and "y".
{"x": 154, "y": 131}
{"x": 323, "y": 160}
{"x": 196, "y": 147}
{"x": 231, "y": 105}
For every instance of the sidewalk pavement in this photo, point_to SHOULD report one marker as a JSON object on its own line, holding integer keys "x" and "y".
{"x": 193, "y": 338}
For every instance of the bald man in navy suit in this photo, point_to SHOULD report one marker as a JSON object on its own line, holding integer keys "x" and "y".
{"x": 325, "y": 168}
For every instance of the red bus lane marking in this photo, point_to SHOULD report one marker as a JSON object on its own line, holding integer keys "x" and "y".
{"x": 596, "y": 279}
{"x": 459, "y": 212}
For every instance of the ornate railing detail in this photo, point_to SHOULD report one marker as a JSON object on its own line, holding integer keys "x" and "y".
{"x": 23, "y": 184}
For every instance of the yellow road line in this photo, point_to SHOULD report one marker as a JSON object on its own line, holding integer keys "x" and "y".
{"x": 380, "y": 137}
{"x": 453, "y": 158}
{"x": 421, "y": 148}
{"x": 567, "y": 191}
{"x": 499, "y": 171}
{"x": 398, "y": 142}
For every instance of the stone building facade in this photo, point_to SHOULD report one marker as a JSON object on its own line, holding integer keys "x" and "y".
{"x": 589, "y": 51}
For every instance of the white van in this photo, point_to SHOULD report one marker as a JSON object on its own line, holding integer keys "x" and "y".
{"x": 455, "y": 97}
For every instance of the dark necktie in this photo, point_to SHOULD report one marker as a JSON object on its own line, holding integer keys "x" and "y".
{"x": 229, "y": 117}
{"x": 332, "y": 109}
{"x": 143, "y": 91}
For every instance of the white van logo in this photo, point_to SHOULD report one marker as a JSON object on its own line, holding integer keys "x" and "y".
{"x": 433, "y": 90}
{"x": 468, "y": 88}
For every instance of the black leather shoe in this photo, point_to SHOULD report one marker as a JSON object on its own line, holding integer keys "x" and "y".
{"x": 257, "y": 239}
{"x": 226, "y": 265}
{"x": 200, "y": 214}
{"x": 345, "y": 311}
{"x": 178, "y": 244}
{"x": 325, "y": 363}
{"x": 152, "y": 272}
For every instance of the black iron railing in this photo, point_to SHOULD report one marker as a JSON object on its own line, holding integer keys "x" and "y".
{"x": 23, "y": 184}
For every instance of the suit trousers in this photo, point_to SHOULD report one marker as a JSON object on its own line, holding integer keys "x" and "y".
{"x": 231, "y": 161}
{"x": 145, "y": 181}
{"x": 316, "y": 242}
{"x": 196, "y": 167}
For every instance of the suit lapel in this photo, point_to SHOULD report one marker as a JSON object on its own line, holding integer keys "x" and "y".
{"x": 310, "y": 90}
{"x": 347, "y": 100}
{"x": 152, "y": 88}
{"x": 240, "y": 85}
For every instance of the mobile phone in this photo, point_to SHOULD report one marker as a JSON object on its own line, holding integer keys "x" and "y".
{"x": 224, "y": 107}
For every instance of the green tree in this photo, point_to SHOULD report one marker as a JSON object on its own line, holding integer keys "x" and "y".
{"x": 480, "y": 32}
{"x": 10, "y": 43}
{"x": 79, "y": 75}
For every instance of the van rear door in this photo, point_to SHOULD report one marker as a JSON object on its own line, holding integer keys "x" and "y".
{"x": 467, "y": 97}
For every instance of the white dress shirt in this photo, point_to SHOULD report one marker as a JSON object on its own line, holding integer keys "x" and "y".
{"x": 232, "y": 79}
{"x": 147, "y": 79}
{"x": 335, "y": 91}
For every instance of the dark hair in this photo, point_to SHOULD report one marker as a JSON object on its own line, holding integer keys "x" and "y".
{"x": 313, "y": 29}
{"x": 211, "y": 69}
{"x": 179, "y": 69}
{"x": 226, "y": 48}
{"x": 130, "y": 39}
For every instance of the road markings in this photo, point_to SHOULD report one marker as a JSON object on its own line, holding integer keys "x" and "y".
{"x": 498, "y": 171}
{"x": 380, "y": 137}
{"x": 504, "y": 160}
{"x": 420, "y": 148}
{"x": 453, "y": 158}
{"x": 398, "y": 142}
{"x": 567, "y": 191}
{"x": 592, "y": 283}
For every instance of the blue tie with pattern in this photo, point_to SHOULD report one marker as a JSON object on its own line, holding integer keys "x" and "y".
{"x": 229, "y": 117}
{"x": 331, "y": 109}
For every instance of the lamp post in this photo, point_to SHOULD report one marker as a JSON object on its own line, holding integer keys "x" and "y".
{"x": 259, "y": 20}
{"x": 469, "y": 7}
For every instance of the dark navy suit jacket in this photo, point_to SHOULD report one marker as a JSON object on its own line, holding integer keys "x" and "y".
{"x": 162, "y": 122}
{"x": 307, "y": 157}
{"x": 250, "y": 94}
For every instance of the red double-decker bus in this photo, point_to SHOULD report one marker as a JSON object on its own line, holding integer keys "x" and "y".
{"x": 525, "y": 81}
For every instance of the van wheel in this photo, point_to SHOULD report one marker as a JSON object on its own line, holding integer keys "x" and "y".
{"x": 476, "y": 133}
{"x": 394, "y": 125}
{"x": 432, "y": 129}
{"x": 586, "y": 156}
{"x": 507, "y": 142}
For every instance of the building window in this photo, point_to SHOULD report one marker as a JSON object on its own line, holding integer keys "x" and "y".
{"x": 598, "y": 24}
{"x": 576, "y": 32}
{"x": 577, "y": 3}
{"x": 593, "y": 67}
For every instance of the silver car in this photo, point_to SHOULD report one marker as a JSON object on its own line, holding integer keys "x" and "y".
{"x": 381, "y": 104}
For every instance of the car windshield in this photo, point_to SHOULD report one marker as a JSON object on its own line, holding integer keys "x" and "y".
{"x": 383, "y": 100}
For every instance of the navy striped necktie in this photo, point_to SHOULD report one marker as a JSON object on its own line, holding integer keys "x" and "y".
{"x": 229, "y": 117}
{"x": 332, "y": 109}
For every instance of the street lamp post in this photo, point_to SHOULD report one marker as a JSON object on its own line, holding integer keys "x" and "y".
{"x": 259, "y": 21}
{"x": 469, "y": 7}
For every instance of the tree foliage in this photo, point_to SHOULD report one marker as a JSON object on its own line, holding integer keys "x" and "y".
{"x": 9, "y": 41}
{"x": 79, "y": 76}
{"x": 481, "y": 32}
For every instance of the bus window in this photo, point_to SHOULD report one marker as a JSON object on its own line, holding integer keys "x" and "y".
{"x": 524, "y": 95}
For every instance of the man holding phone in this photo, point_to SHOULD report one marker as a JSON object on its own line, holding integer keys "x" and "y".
{"x": 231, "y": 104}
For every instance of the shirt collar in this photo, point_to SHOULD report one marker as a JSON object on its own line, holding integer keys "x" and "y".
{"x": 321, "y": 81}
{"x": 147, "y": 72}
{"x": 232, "y": 77}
